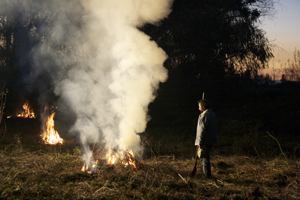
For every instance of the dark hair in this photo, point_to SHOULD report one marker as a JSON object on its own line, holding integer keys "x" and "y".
{"x": 205, "y": 104}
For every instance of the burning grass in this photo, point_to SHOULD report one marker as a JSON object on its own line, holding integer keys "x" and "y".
{"x": 51, "y": 174}
{"x": 27, "y": 111}
{"x": 49, "y": 134}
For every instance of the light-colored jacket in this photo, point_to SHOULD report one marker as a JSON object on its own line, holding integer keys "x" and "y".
{"x": 206, "y": 128}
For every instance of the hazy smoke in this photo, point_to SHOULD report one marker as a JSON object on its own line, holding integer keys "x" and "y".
{"x": 101, "y": 66}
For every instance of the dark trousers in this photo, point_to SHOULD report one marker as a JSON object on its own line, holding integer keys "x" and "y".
{"x": 205, "y": 160}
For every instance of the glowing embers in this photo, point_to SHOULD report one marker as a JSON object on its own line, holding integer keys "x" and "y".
{"x": 27, "y": 111}
{"x": 49, "y": 134}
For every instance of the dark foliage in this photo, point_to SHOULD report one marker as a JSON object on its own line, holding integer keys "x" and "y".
{"x": 214, "y": 39}
{"x": 23, "y": 25}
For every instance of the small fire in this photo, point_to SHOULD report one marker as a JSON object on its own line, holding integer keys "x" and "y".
{"x": 130, "y": 160}
{"x": 50, "y": 135}
{"x": 88, "y": 170}
{"x": 127, "y": 161}
{"x": 83, "y": 168}
{"x": 27, "y": 111}
{"x": 111, "y": 160}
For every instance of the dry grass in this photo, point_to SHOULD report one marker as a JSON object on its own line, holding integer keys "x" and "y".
{"x": 51, "y": 175}
{"x": 32, "y": 170}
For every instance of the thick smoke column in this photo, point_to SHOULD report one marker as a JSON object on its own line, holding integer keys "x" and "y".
{"x": 136, "y": 63}
{"x": 126, "y": 70}
{"x": 113, "y": 70}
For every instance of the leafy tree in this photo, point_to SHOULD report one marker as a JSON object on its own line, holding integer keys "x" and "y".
{"x": 213, "y": 38}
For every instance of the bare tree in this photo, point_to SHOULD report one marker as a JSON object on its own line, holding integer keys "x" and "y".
{"x": 2, "y": 102}
{"x": 291, "y": 69}
{"x": 3, "y": 94}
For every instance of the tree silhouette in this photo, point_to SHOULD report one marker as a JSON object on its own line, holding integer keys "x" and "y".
{"x": 215, "y": 39}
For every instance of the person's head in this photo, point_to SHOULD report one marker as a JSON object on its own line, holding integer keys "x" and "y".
{"x": 204, "y": 105}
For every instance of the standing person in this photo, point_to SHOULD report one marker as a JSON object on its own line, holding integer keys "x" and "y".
{"x": 206, "y": 135}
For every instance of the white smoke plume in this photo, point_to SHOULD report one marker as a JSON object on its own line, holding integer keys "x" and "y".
{"x": 114, "y": 69}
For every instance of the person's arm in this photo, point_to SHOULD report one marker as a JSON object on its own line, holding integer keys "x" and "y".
{"x": 201, "y": 129}
{"x": 203, "y": 125}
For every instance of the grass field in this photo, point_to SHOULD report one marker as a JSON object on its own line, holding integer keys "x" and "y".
{"x": 30, "y": 169}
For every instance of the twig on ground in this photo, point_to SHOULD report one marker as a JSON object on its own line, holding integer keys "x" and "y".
{"x": 213, "y": 184}
{"x": 257, "y": 152}
{"x": 151, "y": 149}
{"x": 183, "y": 179}
{"x": 272, "y": 136}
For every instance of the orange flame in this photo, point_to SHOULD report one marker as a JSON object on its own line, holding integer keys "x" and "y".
{"x": 83, "y": 168}
{"x": 50, "y": 135}
{"x": 131, "y": 160}
{"x": 88, "y": 169}
{"x": 27, "y": 111}
{"x": 111, "y": 160}
{"x": 128, "y": 161}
